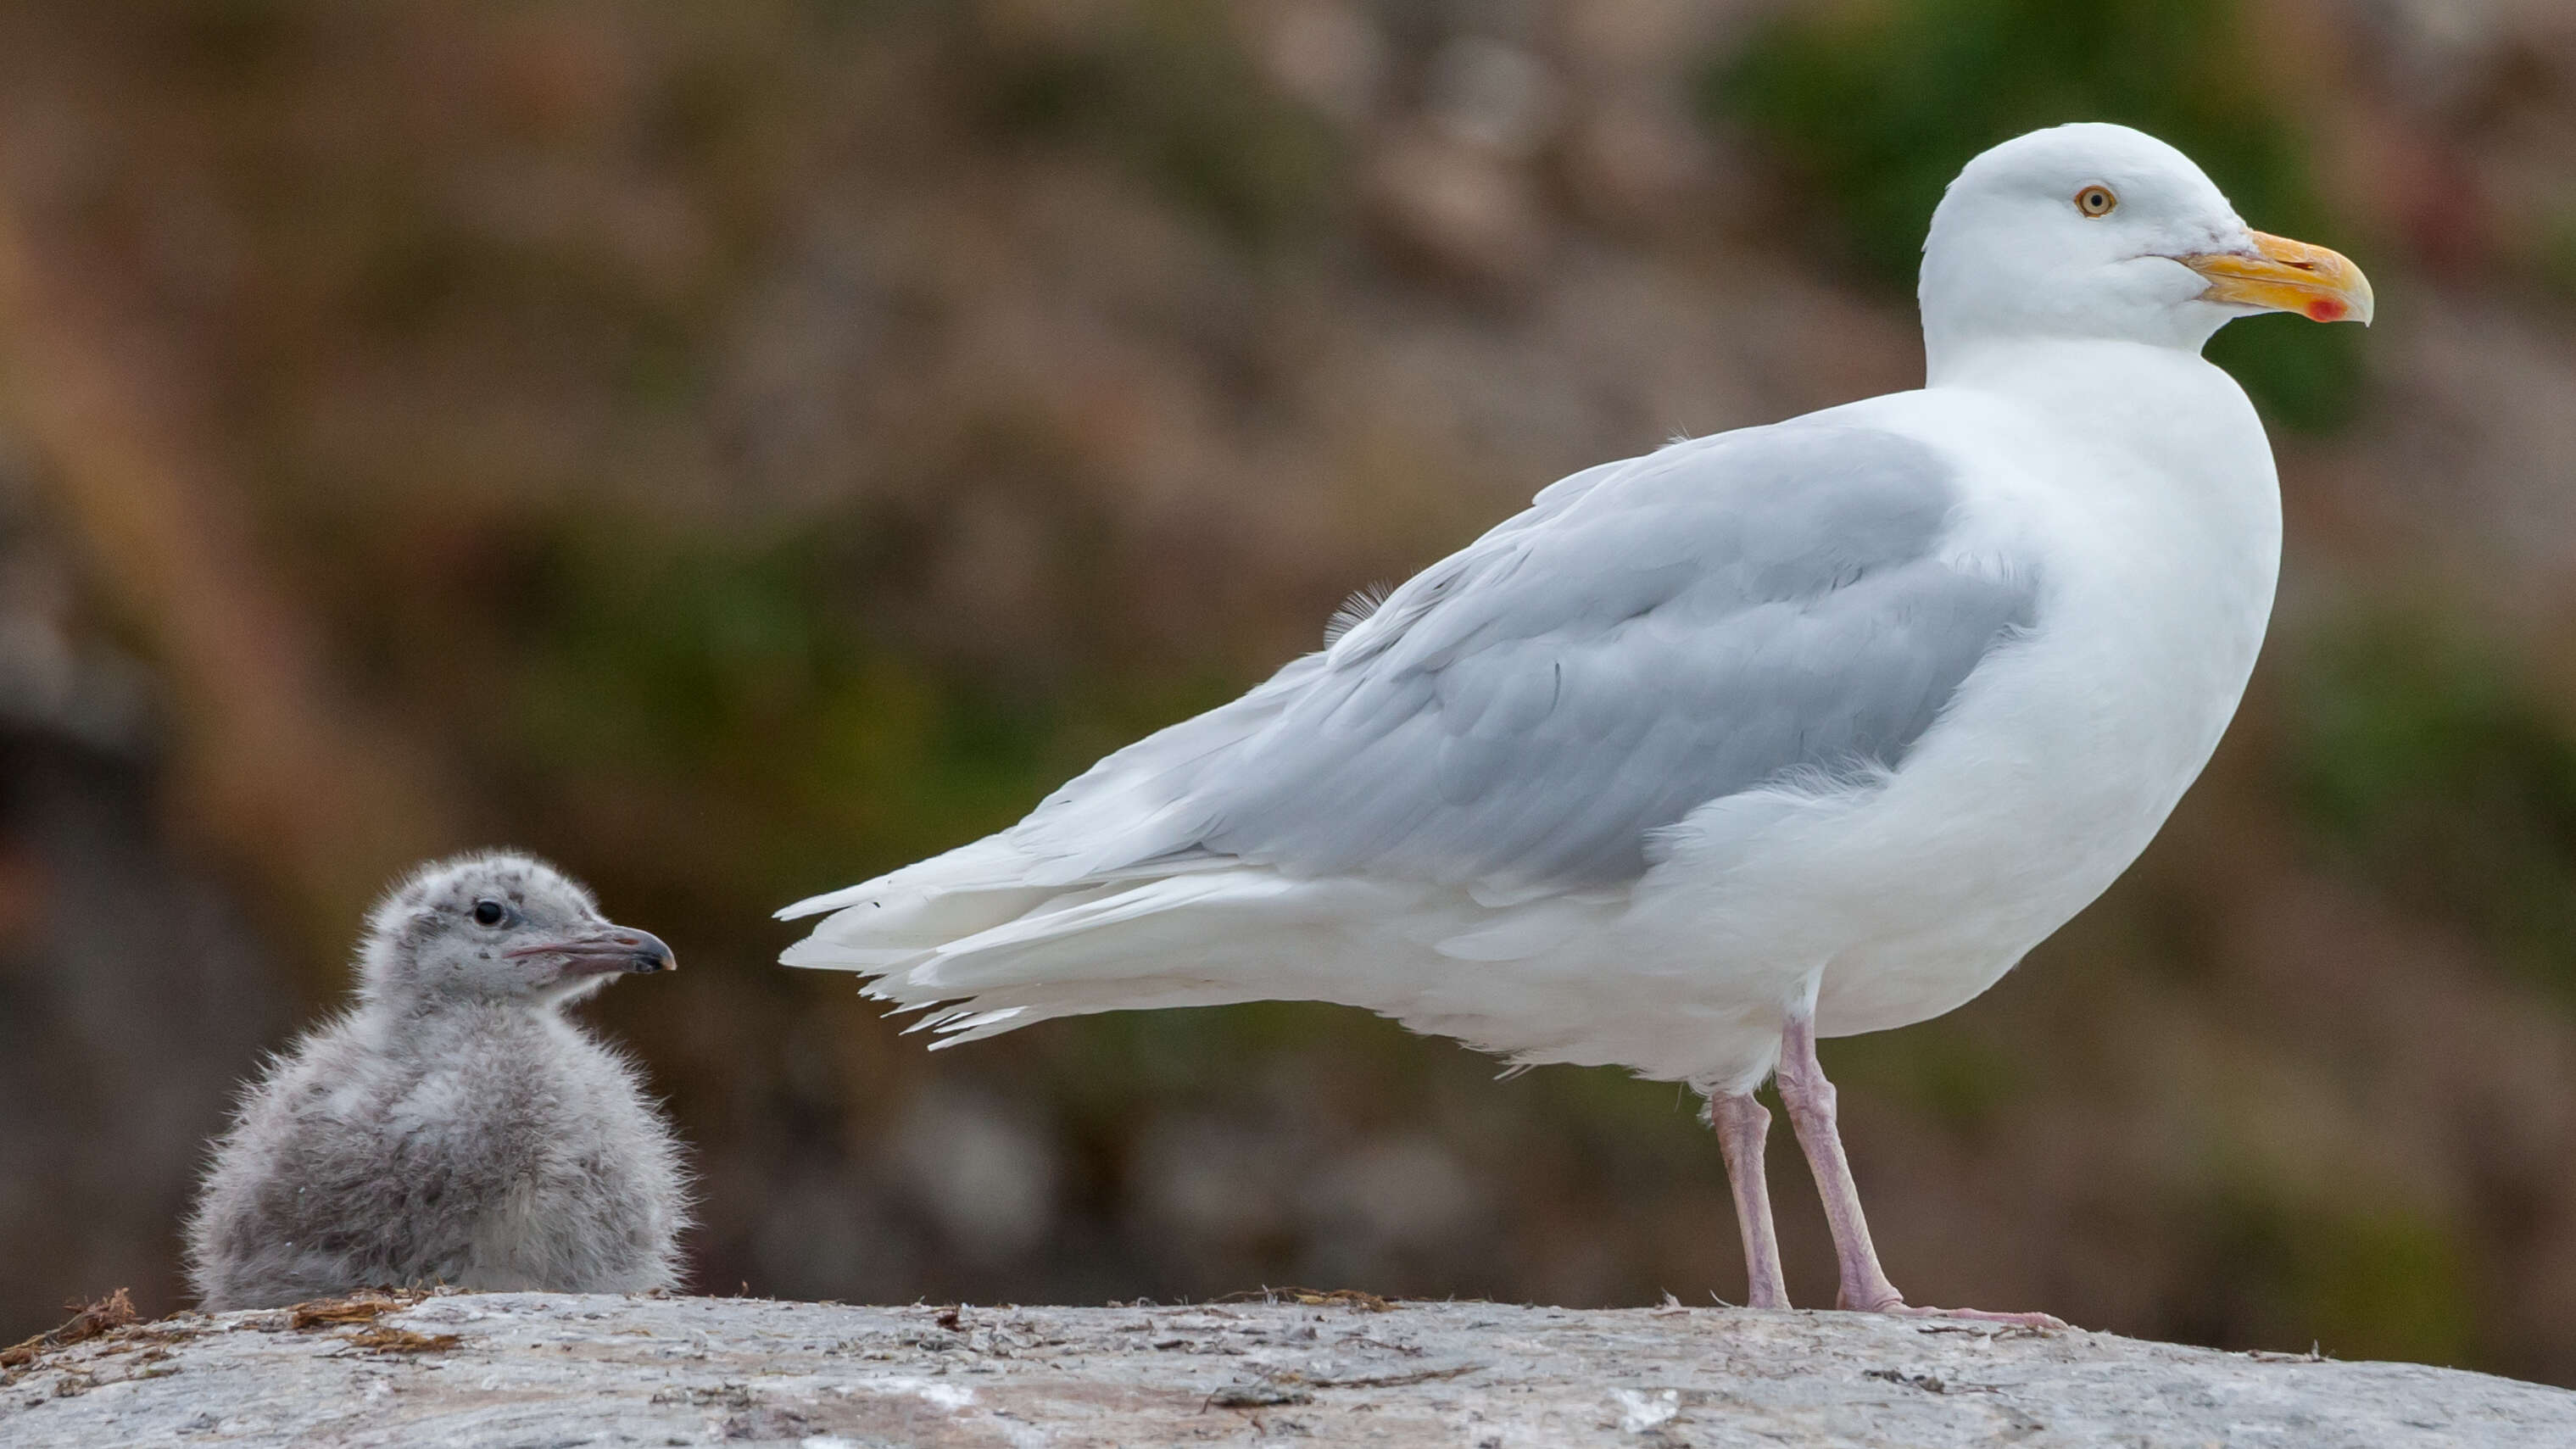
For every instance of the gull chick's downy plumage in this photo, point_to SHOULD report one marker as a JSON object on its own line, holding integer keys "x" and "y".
{"x": 1793, "y": 731}
{"x": 452, "y": 1127}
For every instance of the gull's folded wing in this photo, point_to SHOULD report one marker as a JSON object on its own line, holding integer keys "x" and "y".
{"x": 1760, "y": 605}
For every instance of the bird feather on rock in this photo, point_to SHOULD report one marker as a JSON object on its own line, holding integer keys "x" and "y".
{"x": 452, "y": 1127}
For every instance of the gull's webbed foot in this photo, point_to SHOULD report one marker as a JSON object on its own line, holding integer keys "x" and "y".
{"x": 1899, "y": 1308}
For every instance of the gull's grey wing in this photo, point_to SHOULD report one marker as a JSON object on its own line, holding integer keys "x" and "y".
{"x": 1647, "y": 637}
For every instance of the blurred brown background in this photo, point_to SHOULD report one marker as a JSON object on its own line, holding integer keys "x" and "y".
{"x": 736, "y": 449}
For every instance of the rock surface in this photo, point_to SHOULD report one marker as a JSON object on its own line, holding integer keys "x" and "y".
{"x": 547, "y": 1369}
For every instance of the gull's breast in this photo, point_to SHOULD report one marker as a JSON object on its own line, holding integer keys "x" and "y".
{"x": 2065, "y": 752}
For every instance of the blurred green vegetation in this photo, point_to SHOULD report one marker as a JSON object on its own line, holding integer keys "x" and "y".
{"x": 2554, "y": 257}
{"x": 1164, "y": 86}
{"x": 2429, "y": 765}
{"x": 2365, "y": 1280}
{"x": 1879, "y": 104}
{"x": 771, "y": 681}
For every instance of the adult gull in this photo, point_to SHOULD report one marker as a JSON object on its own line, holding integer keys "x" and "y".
{"x": 1794, "y": 731}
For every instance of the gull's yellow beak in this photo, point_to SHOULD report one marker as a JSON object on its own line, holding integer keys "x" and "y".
{"x": 2287, "y": 276}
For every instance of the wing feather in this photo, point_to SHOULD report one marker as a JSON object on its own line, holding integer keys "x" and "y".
{"x": 1648, "y": 637}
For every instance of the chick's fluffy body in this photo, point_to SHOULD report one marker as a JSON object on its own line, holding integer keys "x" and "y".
{"x": 442, "y": 1137}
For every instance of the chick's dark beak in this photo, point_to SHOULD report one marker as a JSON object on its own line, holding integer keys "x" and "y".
{"x": 605, "y": 952}
{"x": 647, "y": 954}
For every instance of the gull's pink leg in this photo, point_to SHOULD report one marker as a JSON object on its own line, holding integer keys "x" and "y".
{"x": 1742, "y": 1123}
{"x": 1810, "y": 1100}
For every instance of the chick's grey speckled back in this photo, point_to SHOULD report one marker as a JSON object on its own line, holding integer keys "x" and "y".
{"x": 453, "y": 1127}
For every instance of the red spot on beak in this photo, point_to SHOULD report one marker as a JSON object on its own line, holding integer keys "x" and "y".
{"x": 2326, "y": 309}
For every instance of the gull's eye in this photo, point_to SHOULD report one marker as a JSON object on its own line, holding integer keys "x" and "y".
{"x": 2096, "y": 201}
{"x": 489, "y": 912}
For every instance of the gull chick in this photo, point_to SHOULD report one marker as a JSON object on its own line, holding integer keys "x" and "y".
{"x": 452, "y": 1127}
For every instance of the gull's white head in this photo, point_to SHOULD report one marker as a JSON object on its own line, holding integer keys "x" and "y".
{"x": 2098, "y": 231}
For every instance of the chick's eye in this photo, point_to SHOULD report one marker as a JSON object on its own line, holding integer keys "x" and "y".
{"x": 488, "y": 913}
{"x": 2096, "y": 201}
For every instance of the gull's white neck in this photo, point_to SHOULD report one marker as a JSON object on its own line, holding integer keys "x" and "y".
{"x": 2164, "y": 407}
{"x": 2162, "y": 457}
{"x": 2060, "y": 364}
